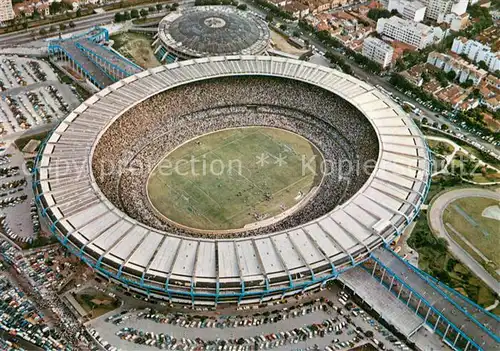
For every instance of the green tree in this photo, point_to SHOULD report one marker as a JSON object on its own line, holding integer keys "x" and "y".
{"x": 269, "y": 17}
{"x": 375, "y": 14}
{"x": 242, "y": 7}
{"x": 134, "y": 13}
{"x": 42, "y": 31}
{"x": 118, "y": 17}
{"x": 159, "y": 7}
{"x": 79, "y": 12}
{"x": 143, "y": 12}
{"x": 451, "y": 75}
{"x": 62, "y": 26}
{"x": 481, "y": 64}
{"x": 52, "y": 28}
{"x": 127, "y": 16}
{"x": 72, "y": 24}
{"x": 151, "y": 9}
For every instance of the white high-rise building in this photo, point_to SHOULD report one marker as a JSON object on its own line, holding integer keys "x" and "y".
{"x": 409, "y": 32}
{"x": 410, "y": 10}
{"x": 438, "y": 9}
{"x": 477, "y": 52}
{"x": 6, "y": 11}
{"x": 378, "y": 51}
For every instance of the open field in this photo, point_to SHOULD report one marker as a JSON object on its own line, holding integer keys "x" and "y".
{"x": 282, "y": 44}
{"x": 136, "y": 47}
{"x": 234, "y": 177}
{"x": 440, "y": 147}
{"x": 466, "y": 216}
{"x": 95, "y": 302}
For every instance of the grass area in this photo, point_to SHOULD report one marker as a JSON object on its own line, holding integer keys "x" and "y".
{"x": 95, "y": 302}
{"x": 216, "y": 182}
{"x": 467, "y": 217}
{"x": 145, "y": 20}
{"x": 440, "y": 147}
{"x": 437, "y": 260}
{"x": 136, "y": 47}
{"x": 23, "y": 141}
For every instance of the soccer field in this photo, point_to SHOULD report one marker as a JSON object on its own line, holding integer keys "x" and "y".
{"x": 233, "y": 177}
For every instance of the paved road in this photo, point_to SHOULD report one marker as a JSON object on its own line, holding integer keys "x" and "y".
{"x": 26, "y": 36}
{"x": 436, "y": 223}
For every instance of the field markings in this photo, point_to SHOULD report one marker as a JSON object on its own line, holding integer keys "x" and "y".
{"x": 179, "y": 193}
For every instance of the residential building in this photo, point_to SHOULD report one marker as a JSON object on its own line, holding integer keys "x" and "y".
{"x": 409, "y": 32}
{"x": 438, "y": 9}
{"x": 476, "y": 52}
{"x": 378, "y": 51}
{"x": 457, "y": 22}
{"x": 463, "y": 69}
{"x": 410, "y": 10}
{"x": 6, "y": 11}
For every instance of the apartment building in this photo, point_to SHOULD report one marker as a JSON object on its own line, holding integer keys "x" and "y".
{"x": 463, "y": 69}
{"x": 410, "y": 10}
{"x": 438, "y": 9}
{"x": 409, "y": 32}
{"x": 378, "y": 51}
{"x": 6, "y": 11}
{"x": 476, "y": 52}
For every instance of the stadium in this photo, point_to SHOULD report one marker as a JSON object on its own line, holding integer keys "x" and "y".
{"x": 98, "y": 186}
{"x": 210, "y": 31}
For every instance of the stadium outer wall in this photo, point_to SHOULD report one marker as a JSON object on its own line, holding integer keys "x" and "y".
{"x": 267, "y": 286}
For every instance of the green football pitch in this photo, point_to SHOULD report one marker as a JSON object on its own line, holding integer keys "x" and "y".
{"x": 234, "y": 177}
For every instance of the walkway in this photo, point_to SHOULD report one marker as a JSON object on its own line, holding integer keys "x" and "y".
{"x": 435, "y": 215}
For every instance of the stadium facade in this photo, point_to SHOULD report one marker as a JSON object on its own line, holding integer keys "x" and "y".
{"x": 203, "y": 31}
{"x": 246, "y": 270}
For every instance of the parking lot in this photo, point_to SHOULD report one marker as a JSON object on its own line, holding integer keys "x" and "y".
{"x": 31, "y": 94}
{"x": 18, "y": 216}
{"x": 324, "y": 324}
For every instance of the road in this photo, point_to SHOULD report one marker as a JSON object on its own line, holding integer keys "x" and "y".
{"x": 436, "y": 223}
{"x": 26, "y": 36}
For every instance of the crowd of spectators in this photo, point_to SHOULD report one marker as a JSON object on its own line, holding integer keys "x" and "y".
{"x": 132, "y": 146}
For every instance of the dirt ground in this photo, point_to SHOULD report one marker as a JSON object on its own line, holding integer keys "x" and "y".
{"x": 280, "y": 43}
{"x": 136, "y": 47}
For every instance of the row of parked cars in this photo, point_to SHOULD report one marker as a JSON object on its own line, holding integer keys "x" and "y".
{"x": 20, "y": 319}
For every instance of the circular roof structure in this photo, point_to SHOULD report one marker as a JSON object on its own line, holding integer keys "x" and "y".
{"x": 126, "y": 249}
{"x": 212, "y": 31}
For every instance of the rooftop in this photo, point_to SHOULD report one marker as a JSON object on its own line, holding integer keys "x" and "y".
{"x": 214, "y": 30}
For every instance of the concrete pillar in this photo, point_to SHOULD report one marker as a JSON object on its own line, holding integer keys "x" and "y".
{"x": 409, "y": 298}
{"x": 374, "y": 266}
{"x": 427, "y": 315}
{"x": 400, "y": 290}
{"x": 437, "y": 322}
{"x": 456, "y": 339}
{"x": 446, "y": 331}
{"x": 418, "y": 305}
{"x": 392, "y": 282}
{"x": 382, "y": 277}
{"x": 467, "y": 346}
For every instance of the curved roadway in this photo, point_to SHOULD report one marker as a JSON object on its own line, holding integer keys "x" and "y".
{"x": 437, "y": 225}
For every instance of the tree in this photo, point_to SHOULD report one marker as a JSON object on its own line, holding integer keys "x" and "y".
{"x": 242, "y": 7}
{"x": 174, "y": 6}
{"x": 126, "y": 16}
{"x": 118, "y": 17}
{"x": 134, "y": 13}
{"x": 375, "y": 14}
{"x": 451, "y": 75}
{"x": 283, "y": 27}
{"x": 42, "y": 31}
{"x": 467, "y": 84}
{"x": 425, "y": 120}
{"x": 444, "y": 126}
{"x": 62, "y": 26}
{"x": 159, "y": 7}
{"x": 52, "y": 28}
{"x": 481, "y": 64}
{"x": 79, "y": 12}
{"x": 72, "y": 24}
{"x": 144, "y": 12}
{"x": 269, "y": 17}
{"x": 151, "y": 9}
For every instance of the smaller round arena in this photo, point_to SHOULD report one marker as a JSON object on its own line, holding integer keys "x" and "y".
{"x": 210, "y": 31}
